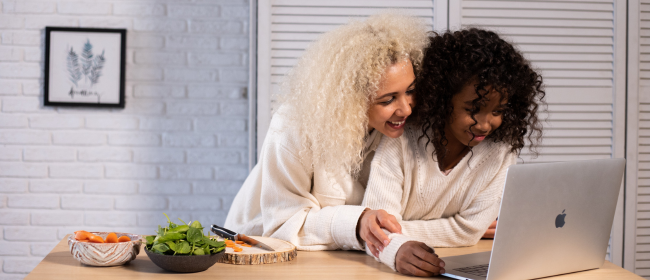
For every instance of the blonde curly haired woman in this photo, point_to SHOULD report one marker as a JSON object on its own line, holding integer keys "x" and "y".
{"x": 350, "y": 88}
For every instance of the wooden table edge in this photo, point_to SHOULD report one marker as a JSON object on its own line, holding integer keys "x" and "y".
{"x": 59, "y": 264}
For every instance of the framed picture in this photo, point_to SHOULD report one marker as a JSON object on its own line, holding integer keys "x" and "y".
{"x": 84, "y": 67}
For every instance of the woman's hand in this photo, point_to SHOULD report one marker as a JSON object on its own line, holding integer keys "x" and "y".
{"x": 491, "y": 230}
{"x": 369, "y": 229}
{"x": 417, "y": 259}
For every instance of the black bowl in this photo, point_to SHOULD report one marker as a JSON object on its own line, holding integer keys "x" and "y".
{"x": 184, "y": 263}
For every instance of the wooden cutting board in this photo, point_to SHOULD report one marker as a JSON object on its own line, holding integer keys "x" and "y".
{"x": 284, "y": 252}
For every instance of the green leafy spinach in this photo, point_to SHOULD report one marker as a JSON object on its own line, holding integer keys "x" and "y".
{"x": 183, "y": 240}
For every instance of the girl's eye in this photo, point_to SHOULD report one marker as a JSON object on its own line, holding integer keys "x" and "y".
{"x": 468, "y": 110}
{"x": 410, "y": 91}
{"x": 497, "y": 112}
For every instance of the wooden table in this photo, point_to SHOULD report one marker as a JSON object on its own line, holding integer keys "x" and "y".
{"x": 59, "y": 264}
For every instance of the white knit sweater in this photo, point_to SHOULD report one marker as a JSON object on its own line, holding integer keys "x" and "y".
{"x": 441, "y": 211}
{"x": 283, "y": 197}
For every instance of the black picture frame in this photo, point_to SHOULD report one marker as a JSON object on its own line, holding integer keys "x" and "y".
{"x": 48, "y": 80}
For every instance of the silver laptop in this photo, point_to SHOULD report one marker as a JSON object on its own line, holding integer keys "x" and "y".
{"x": 555, "y": 218}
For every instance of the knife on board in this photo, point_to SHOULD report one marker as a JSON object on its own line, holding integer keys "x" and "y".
{"x": 226, "y": 233}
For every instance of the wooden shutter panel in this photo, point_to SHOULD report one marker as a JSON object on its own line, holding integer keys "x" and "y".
{"x": 286, "y": 27}
{"x": 580, "y": 50}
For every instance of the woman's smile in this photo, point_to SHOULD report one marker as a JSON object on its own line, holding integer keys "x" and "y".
{"x": 394, "y": 100}
{"x": 396, "y": 124}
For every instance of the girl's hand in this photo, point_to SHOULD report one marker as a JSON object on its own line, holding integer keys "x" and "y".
{"x": 417, "y": 259}
{"x": 491, "y": 230}
{"x": 369, "y": 229}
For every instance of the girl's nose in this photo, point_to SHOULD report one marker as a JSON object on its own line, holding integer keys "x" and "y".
{"x": 483, "y": 123}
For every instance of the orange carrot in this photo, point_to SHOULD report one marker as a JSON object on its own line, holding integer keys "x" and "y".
{"x": 111, "y": 238}
{"x": 96, "y": 239}
{"x": 123, "y": 238}
{"x": 82, "y": 235}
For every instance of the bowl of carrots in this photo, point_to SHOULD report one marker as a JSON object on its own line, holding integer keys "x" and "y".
{"x": 104, "y": 248}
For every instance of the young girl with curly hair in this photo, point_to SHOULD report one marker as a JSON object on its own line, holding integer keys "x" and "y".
{"x": 351, "y": 87}
{"x": 477, "y": 101}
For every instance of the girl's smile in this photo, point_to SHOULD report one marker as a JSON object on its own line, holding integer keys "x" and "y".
{"x": 478, "y": 138}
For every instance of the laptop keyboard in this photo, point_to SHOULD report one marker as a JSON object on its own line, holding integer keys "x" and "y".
{"x": 478, "y": 270}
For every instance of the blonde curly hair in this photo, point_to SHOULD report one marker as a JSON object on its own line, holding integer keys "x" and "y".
{"x": 333, "y": 84}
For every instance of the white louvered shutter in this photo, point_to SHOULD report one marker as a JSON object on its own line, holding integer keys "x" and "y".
{"x": 579, "y": 46}
{"x": 638, "y": 170}
{"x": 286, "y": 27}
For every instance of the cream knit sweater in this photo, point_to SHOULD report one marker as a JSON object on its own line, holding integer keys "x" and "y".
{"x": 441, "y": 211}
{"x": 285, "y": 198}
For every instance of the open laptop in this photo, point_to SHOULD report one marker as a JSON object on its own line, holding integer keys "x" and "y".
{"x": 555, "y": 218}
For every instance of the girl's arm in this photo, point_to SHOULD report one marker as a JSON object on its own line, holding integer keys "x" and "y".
{"x": 466, "y": 227}
{"x": 385, "y": 191}
{"x": 492, "y": 229}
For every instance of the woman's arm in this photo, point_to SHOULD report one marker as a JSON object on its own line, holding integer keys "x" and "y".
{"x": 291, "y": 212}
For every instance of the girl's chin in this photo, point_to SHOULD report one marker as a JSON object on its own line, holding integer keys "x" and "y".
{"x": 474, "y": 143}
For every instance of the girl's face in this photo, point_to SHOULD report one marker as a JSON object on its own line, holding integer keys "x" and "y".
{"x": 394, "y": 100}
{"x": 488, "y": 118}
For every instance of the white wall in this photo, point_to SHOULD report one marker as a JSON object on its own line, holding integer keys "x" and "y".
{"x": 179, "y": 146}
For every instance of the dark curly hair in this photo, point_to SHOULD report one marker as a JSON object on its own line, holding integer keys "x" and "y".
{"x": 454, "y": 59}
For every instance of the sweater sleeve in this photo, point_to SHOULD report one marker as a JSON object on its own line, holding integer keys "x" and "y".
{"x": 466, "y": 227}
{"x": 385, "y": 185}
{"x": 291, "y": 212}
{"x": 385, "y": 191}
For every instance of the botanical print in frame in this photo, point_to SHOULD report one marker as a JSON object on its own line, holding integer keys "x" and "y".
{"x": 84, "y": 67}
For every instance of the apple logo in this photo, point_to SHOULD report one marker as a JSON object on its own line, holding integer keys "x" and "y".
{"x": 559, "y": 220}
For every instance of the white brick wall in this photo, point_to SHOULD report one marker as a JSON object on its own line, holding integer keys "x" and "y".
{"x": 179, "y": 146}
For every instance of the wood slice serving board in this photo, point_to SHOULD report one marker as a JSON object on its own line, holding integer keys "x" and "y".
{"x": 284, "y": 252}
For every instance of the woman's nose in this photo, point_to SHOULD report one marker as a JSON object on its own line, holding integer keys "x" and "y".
{"x": 405, "y": 106}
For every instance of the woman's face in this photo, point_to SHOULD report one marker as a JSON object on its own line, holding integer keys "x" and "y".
{"x": 488, "y": 118}
{"x": 394, "y": 100}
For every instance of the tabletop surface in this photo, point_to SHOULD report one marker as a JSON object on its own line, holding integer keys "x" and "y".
{"x": 59, "y": 264}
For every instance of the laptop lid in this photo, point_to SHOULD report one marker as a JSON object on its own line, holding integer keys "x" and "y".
{"x": 555, "y": 218}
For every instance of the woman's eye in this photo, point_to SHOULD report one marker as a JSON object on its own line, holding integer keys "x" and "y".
{"x": 410, "y": 91}
{"x": 389, "y": 101}
{"x": 498, "y": 112}
{"x": 468, "y": 110}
